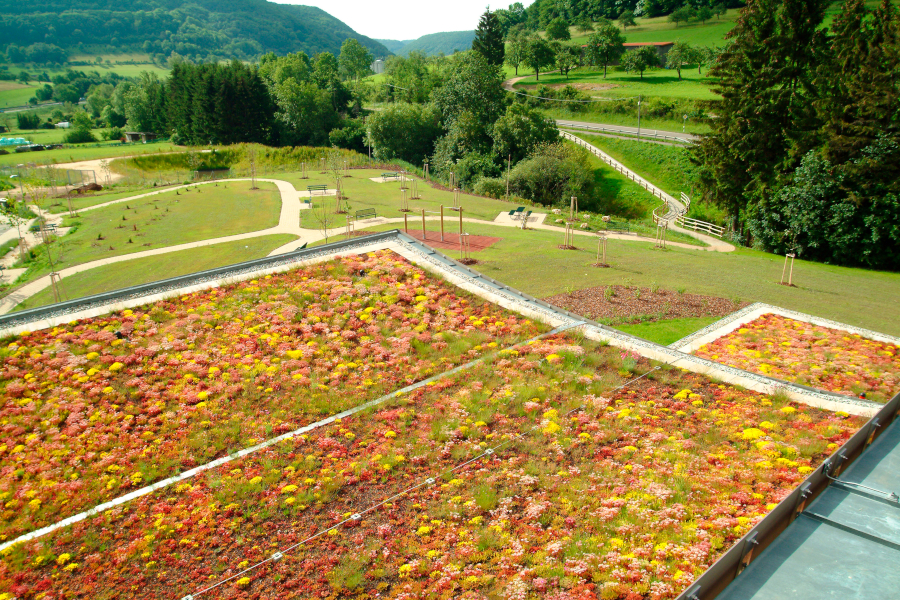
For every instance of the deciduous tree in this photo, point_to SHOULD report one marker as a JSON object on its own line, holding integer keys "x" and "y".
{"x": 605, "y": 46}
{"x": 538, "y": 55}
{"x": 679, "y": 55}
{"x": 558, "y": 29}
{"x": 640, "y": 59}
{"x": 626, "y": 19}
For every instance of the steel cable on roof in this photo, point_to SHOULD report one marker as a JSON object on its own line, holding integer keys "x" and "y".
{"x": 279, "y": 554}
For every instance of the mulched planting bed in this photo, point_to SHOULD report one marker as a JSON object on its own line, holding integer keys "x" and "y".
{"x": 630, "y": 304}
{"x": 451, "y": 240}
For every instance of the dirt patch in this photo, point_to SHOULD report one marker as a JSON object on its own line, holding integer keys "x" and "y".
{"x": 629, "y": 304}
{"x": 585, "y": 87}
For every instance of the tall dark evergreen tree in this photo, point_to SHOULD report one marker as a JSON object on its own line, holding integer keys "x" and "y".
{"x": 861, "y": 83}
{"x": 489, "y": 39}
{"x": 766, "y": 120}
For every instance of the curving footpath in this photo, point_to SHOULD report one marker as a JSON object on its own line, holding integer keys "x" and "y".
{"x": 289, "y": 223}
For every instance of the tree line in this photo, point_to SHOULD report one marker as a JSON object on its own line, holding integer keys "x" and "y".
{"x": 805, "y": 149}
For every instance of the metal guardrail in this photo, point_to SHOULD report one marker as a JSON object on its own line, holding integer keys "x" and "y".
{"x": 646, "y": 133}
{"x": 729, "y": 566}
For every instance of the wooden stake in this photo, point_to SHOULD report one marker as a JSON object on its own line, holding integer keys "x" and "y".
{"x": 442, "y": 222}
{"x": 791, "y": 275}
{"x": 424, "y": 236}
{"x": 405, "y": 224}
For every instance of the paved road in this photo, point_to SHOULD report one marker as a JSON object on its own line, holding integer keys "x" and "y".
{"x": 509, "y": 85}
{"x": 652, "y": 134}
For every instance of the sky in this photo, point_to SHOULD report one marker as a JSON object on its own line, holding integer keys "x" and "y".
{"x": 404, "y": 19}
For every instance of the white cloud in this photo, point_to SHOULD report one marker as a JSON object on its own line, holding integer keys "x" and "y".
{"x": 403, "y": 19}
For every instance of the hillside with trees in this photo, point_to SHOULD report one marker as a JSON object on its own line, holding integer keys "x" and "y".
{"x": 446, "y": 42}
{"x": 198, "y": 30}
{"x": 806, "y": 147}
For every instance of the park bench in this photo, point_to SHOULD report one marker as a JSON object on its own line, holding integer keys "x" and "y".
{"x": 391, "y": 175}
{"x": 316, "y": 188}
{"x": 613, "y": 226}
{"x": 366, "y": 213}
{"x": 516, "y": 213}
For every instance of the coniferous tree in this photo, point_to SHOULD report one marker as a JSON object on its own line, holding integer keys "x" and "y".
{"x": 861, "y": 81}
{"x": 489, "y": 39}
{"x": 766, "y": 120}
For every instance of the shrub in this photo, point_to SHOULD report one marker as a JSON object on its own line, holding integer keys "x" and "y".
{"x": 79, "y": 136}
{"x": 493, "y": 187}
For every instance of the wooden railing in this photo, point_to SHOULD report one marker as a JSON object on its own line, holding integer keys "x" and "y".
{"x": 679, "y": 217}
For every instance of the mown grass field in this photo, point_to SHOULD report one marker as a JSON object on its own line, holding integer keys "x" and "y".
{"x": 362, "y": 193}
{"x": 166, "y": 219}
{"x": 13, "y": 93}
{"x": 85, "y": 152}
{"x": 530, "y": 261}
{"x": 155, "y": 268}
{"x": 662, "y": 83}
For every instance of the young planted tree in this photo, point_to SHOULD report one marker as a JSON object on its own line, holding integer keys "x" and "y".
{"x": 641, "y": 59}
{"x": 719, "y": 9}
{"x": 539, "y": 54}
{"x": 679, "y": 55}
{"x": 626, "y": 19}
{"x": 605, "y": 46}
{"x": 489, "y": 39}
{"x": 585, "y": 25}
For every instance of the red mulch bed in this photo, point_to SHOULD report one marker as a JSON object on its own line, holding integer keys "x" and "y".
{"x": 451, "y": 240}
{"x": 632, "y": 304}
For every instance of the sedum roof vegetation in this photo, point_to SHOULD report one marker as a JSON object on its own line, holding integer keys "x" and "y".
{"x": 556, "y": 469}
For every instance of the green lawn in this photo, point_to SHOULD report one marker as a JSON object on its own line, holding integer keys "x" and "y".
{"x": 60, "y": 205}
{"x": 660, "y": 83}
{"x": 162, "y": 220}
{"x": 155, "y": 268}
{"x": 86, "y": 152}
{"x": 669, "y": 331}
{"x": 531, "y": 262}
{"x": 385, "y": 198}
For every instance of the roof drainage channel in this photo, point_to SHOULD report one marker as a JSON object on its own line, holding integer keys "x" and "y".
{"x": 845, "y": 545}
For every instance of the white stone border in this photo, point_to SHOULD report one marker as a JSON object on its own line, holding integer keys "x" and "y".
{"x": 750, "y": 313}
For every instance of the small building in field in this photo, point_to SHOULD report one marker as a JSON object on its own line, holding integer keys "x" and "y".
{"x": 662, "y": 48}
{"x": 378, "y": 67}
{"x": 139, "y": 136}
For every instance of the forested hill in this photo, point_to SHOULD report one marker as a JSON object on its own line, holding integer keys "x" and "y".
{"x": 446, "y": 42}
{"x": 197, "y": 29}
